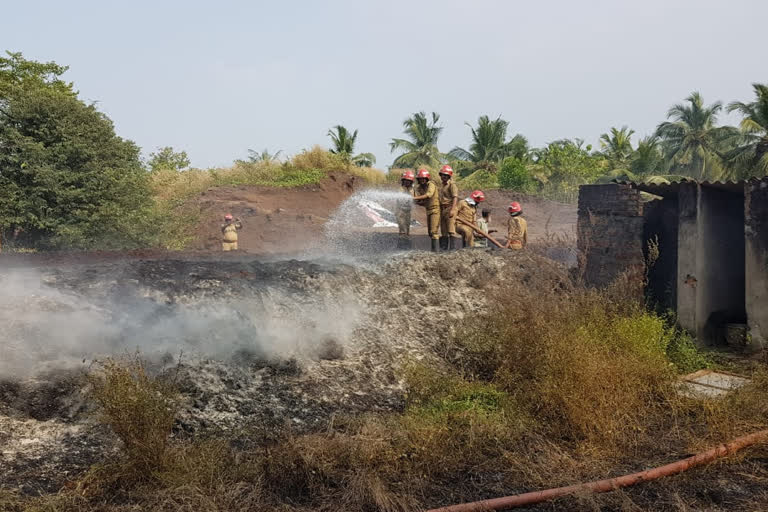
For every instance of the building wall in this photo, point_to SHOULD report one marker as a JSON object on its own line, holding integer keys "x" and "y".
{"x": 756, "y": 261}
{"x": 610, "y": 232}
{"x": 687, "y": 242}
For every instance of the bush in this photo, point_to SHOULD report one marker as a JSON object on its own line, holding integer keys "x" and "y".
{"x": 480, "y": 179}
{"x": 138, "y": 408}
{"x": 515, "y": 175}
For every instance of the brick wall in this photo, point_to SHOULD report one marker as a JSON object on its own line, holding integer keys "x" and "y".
{"x": 610, "y": 232}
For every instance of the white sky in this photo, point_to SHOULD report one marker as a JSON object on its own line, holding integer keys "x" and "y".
{"x": 217, "y": 78}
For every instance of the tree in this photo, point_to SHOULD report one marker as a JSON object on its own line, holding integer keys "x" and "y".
{"x": 648, "y": 158}
{"x": 617, "y": 147}
{"x": 750, "y": 156}
{"x": 514, "y": 175}
{"x": 65, "y": 177}
{"x": 488, "y": 142}
{"x": 167, "y": 158}
{"x": 421, "y": 146}
{"x": 264, "y": 156}
{"x": 567, "y": 163}
{"x": 692, "y": 142}
{"x": 344, "y": 146}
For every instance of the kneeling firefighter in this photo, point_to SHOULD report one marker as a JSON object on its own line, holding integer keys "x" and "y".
{"x": 467, "y": 213}
{"x": 427, "y": 196}
{"x": 403, "y": 211}
{"x": 517, "y": 227}
{"x": 449, "y": 199}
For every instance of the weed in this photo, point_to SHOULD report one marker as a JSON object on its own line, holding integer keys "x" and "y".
{"x": 138, "y": 408}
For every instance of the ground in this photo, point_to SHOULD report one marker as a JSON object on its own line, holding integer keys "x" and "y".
{"x": 257, "y": 342}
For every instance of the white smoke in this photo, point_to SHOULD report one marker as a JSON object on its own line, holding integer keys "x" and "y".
{"x": 43, "y": 327}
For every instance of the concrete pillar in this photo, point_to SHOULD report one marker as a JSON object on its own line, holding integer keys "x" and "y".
{"x": 756, "y": 261}
{"x": 687, "y": 246}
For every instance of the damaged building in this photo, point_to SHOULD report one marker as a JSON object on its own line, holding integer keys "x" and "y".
{"x": 702, "y": 248}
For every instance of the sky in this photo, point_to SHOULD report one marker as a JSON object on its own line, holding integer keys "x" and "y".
{"x": 218, "y": 78}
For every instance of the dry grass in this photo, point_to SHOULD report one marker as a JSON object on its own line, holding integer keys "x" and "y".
{"x": 554, "y": 385}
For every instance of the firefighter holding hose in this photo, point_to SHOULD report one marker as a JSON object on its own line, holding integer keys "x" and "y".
{"x": 403, "y": 211}
{"x": 428, "y": 197}
{"x": 449, "y": 203}
{"x": 229, "y": 233}
{"x": 466, "y": 215}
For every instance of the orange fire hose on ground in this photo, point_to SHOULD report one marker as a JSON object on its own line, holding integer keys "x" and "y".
{"x": 480, "y": 232}
{"x": 610, "y": 484}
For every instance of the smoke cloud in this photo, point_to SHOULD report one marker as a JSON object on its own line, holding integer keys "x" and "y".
{"x": 45, "y": 326}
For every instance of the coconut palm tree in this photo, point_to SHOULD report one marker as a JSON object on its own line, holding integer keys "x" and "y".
{"x": 489, "y": 145}
{"x": 344, "y": 146}
{"x": 751, "y": 153}
{"x": 692, "y": 142}
{"x": 617, "y": 147}
{"x": 264, "y": 156}
{"x": 420, "y": 148}
{"x": 648, "y": 160}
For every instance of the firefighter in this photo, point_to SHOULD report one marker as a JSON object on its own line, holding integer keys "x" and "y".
{"x": 403, "y": 211}
{"x": 426, "y": 195}
{"x": 467, "y": 212}
{"x": 229, "y": 233}
{"x": 517, "y": 227}
{"x": 449, "y": 199}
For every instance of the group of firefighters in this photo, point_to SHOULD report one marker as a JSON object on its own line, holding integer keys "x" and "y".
{"x": 449, "y": 218}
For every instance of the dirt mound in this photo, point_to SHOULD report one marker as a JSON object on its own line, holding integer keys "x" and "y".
{"x": 264, "y": 344}
{"x": 290, "y": 220}
{"x": 276, "y": 220}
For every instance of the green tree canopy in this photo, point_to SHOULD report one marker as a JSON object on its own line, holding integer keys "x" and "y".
{"x": 420, "y": 148}
{"x": 344, "y": 145}
{"x": 617, "y": 147}
{"x": 692, "y": 141}
{"x": 750, "y": 156}
{"x": 65, "y": 177}
{"x": 490, "y": 145}
{"x": 167, "y": 158}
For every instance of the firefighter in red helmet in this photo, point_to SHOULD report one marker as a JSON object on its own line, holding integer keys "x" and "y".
{"x": 467, "y": 213}
{"x": 229, "y": 233}
{"x": 403, "y": 210}
{"x": 517, "y": 227}
{"x": 449, "y": 202}
{"x": 426, "y": 195}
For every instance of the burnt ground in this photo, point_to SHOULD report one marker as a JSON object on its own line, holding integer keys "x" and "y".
{"x": 253, "y": 345}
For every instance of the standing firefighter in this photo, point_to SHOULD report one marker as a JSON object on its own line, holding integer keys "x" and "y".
{"x": 427, "y": 196}
{"x": 229, "y": 233}
{"x": 517, "y": 227}
{"x": 467, "y": 212}
{"x": 403, "y": 211}
{"x": 449, "y": 199}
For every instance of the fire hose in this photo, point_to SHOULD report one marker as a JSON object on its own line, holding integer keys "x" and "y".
{"x": 481, "y": 233}
{"x": 611, "y": 484}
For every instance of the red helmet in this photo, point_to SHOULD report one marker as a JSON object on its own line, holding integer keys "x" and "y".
{"x": 228, "y": 216}
{"x": 423, "y": 173}
{"x": 477, "y": 196}
{"x": 514, "y": 207}
{"x": 407, "y": 175}
{"x": 446, "y": 169}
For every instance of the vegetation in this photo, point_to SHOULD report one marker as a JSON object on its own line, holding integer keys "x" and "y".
{"x": 344, "y": 146}
{"x": 554, "y": 384}
{"x": 420, "y": 148}
{"x": 66, "y": 179}
{"x": 490, "y": 145}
